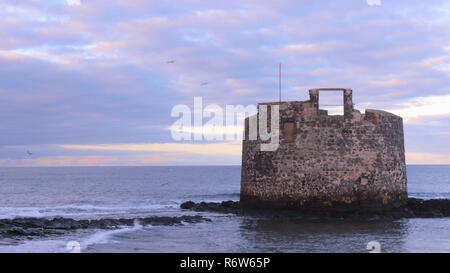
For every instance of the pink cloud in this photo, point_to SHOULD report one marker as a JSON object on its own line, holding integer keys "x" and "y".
{"x": 158, "y": 159}
{"x": 54, "y": 161}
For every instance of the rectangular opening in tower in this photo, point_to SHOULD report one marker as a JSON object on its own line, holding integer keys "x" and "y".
{"x": 333, "y": 102}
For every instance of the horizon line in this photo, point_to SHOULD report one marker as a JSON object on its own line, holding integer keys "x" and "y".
{"x": 218, "y": 165}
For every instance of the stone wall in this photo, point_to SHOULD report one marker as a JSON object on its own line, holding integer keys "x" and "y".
{"x": 327, "y": 162}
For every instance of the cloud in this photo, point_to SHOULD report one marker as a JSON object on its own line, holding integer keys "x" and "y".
{"x": 419, "y": 108}
{"x": 98, "y": 72}
{"x": 55, "y": 161}
{"x": 209, "y": 149}
{"x": 427, "y": 158}
{"x": 390, "y": 83}
{"x": 118, "y": 159}
{"x": 158, "y": 159}
{"x": 319, "y": 48}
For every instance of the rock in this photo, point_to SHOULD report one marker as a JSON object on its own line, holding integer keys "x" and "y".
{"x": 415, "y": 208}
{"x": 17, "y": 231}
{"x": 187, "y": 205}
{"x": 224, "y": 207}
{"x": 429, "y": 208}
{"x": 41, "y": 227}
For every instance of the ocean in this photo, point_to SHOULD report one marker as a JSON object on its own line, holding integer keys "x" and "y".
{"x": 132, "y": 192}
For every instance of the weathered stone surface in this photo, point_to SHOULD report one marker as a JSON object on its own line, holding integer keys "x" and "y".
{"x": 324, "y": 162}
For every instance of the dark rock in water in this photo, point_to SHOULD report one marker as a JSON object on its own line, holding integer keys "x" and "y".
{"x": 40, "y": 226}
{"x": 432, "y": 208}
{"x": 187, "y": 205}
{"x": 415, "y": 208}
{"x": 225, "y": 206}
{"x": 17, "y": 231}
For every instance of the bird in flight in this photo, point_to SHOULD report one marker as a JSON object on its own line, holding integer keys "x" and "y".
{"x": 171, "y": 61}
{"x": 29, "y": 153}
{"x": 204, "y": 83}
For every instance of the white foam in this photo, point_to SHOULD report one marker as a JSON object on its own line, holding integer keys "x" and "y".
{"x": 102, "y": 209}
{"x": 429, "y": 195}
{"x": 36, "y": 246}
{"x": 86, "y": 209}
{"x": 60, "y": 245}
{"x": 106, "y": 237}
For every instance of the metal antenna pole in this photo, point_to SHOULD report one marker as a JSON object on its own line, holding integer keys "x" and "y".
{"x": 279, "y": 81}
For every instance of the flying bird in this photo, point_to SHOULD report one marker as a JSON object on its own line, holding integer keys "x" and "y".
{"x": 171, "y": 61}
{"x": 29, "y": 153}
{"x": 204, "y": 83}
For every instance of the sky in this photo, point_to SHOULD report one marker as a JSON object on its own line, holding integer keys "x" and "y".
{"x": 94, "y": 82}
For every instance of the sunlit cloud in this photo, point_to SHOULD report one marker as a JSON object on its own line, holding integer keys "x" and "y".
{"x": 60, "y": 161}
{"x": 427, "y": 158}
{"x": 390, "y": 83}
{"x": 210, "y": 149}
{"x": 419, "y": 108}
{"x": 314, "y": 48}
{"x": 74, "y": 74}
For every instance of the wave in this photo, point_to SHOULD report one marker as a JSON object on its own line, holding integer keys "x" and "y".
{"x": 99, "y": 209}
{"x": 33, "y": 228}
{"x": 216, "y": 197}
{"x": 430, "y": 195}
{"x": 107, "y": 237}
{"x": 88, "y": 209}
{"x": 67, "y": 243}
{"x": 36, "y": 246}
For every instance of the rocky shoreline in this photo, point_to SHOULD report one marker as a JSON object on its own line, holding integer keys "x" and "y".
{"x": 415, "y": 208}
{"x": 37, "y": 227}
{"x": 30, "y": 227}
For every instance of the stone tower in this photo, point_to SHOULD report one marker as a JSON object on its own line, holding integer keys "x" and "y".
{"x": 326, "y": 162}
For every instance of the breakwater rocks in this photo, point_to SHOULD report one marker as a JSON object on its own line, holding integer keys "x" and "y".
{"x": 30, "y": 227}
{"x": 415, "y": 208}
{"x": 224, "y": 207}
